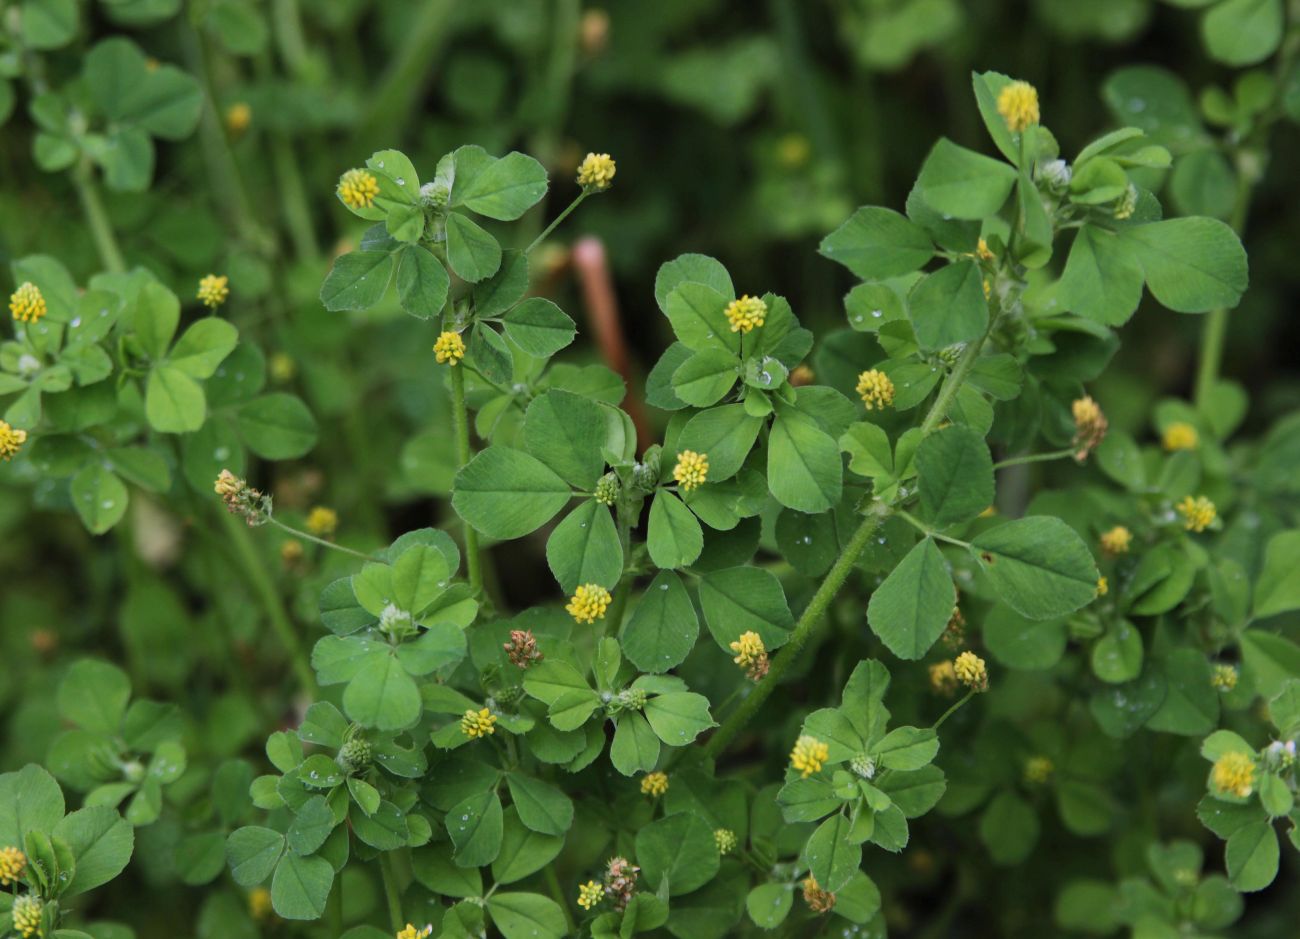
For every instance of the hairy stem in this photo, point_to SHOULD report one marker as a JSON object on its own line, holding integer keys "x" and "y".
{"x": 1034, "y": 458}
{"x": 558, "y": 219}
{"x": 460, "y": 420}
{"x": 100, "y": 228}
{"x": 391, "y": 893}
{"x": 954, "y": 381}
{"x": 307, "y": 536}
{"x": 808, "y": 623}
{"x": 1216, "y": 321}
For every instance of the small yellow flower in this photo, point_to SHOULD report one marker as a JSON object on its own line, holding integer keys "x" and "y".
{"x": 971, "y": 672}
{"x": 1224, "y": 677}
{"x": 1103, "y": 586}
{"x": 588, "y": 603}
{"x": 322, "y": 521}
{"x": 596, "y": 172}
{"x": 692, "y": 470}
{"x": 27, "y": 916}
{"x": 809, "y": 755}
{"x": 982, "y": 251}
{"x": 751, "y": 655}
{"x": 654, "y": 784}
{"x": 1180, "y": 436}
{"x": 1126, "y": 204}
{"x": 449, "y": 348}
{"x": 988, "y": 289}
{"x": 478, "y": 723}
{"x": 12, "y": 865}
{"x": 238, "y": 116}
{"x": 228, "y": 485}
{"x": 283, "y": 368}
{"x": 1038, "y": 769}
{"x": 943, "y": 677}
{"x": 1018, "y": 105}
{"x": 725, "y": 839}
{"x": 818, "y": 900}
{"x": 291, "y": 552}
{"x": 1089, "y": 426}
{"x": 590, "y": 893}
{"x": 358, "y": 188}
{"x": 1116, "y": 540}
{"x": 259, "y": 903}
{"x": 11, "y": 440}
{"x": 746, "y": 314}
{"x": 1198, "y": 513}
{"x": 213, "y": 290}
{"x": 1234, "y": 773}
{"x": 410, "y": 932}
{"x": 27, "y": 303}
{"x": 876, "y": 389}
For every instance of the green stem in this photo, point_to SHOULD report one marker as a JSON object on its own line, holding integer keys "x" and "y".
{"x": 614, "y": 616}
{"x": 808, "y": 622}
{"x": 391, "y": 893}
{"x": 558, "y": 219}
{"x": 260, "y": 580}
{"x": 100, "y": 228}
{"x": 1034, "y": 458}
{"x": 460, "y": 420}
{"x": 1216, "y": 322}
{"x": 557, "y": 893}
{"x": 952, "y": 710}
{"x": 403, "y": 83}
{"x": 307, "y": 536}
{"x": 950, "y": 386}
{"x": 286, "y": 22}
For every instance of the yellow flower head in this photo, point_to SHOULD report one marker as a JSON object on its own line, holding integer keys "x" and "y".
{"x": 228, "y": 485}
{"x": 1103, "y": 586}
{"x": 1038, "y": 769}
{"x": 27, "y": 916}
{"x": 27, "y": 304}
{"x": 1117, "y": 540}
{"x": 1018, "y": 105}
{"x": 410, "y": 932}
{"x": 751, "y": 655}
{"x": 971, "y": 672}
{"x": 725, "y": 839}
{"x": 692, "y": 470}
{"x": 654, "y": 784}
{"x": 213, "y": 290}
{"x": 1180, "y": 436}
{"x": 590, "y": 893}
{"x": 478, "y": 723}
{"x": 943, "y": 677}
{"x": 876, "y": 389}
{"x": 588, "y": 603}
{"x": 596, "y": 172}
{"x": 1089, "y": 426}
{"x": 449, "y": 348}
{"x": 238, "y": 116}
{"x": 259, "y": 903}
{"x": 322, "y": 520}
{"x": 746, "y": 313}
{"x": 1234, "y": 774}
{"x": 12, "y": 865}
{"x": 358, "y": 188}
{"x": 818, "y": 900}
{"x": 11, "y": 440}
{"x": 1224, "y": 677}
{"x": 809, "y": 755}
{"x": 983, "y": 252}
{"x": 1198, "y": 513}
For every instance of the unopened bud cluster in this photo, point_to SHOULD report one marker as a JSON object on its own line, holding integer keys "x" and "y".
{"x": 241, "y": 499}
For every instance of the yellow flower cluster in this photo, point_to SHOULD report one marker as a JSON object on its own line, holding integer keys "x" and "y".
{"x": 692, "y": 470}
{"x": 971, "y": 672}
{"x": 1089, "y": 426}
{"x": 1117, "y": 540}
{"x": 818, "y": 900}
{"x": 11, "y": 440}
{"x": 654, "y": 784}
{"x": 1038, "y": 769}
{"x": 27, "y": 304}
{"x": 238, "y": 116}
{"x": 876, "y": 389}
{"x": 322, "y": 520}
{"x": 449, "y": 348}
{"x": 1224, "y": 677}
{"x": 809, "y": 755}
{"x": 1198, "y": 513}
{"x": 751, "y": 655}
{"x": 725, "y": 839}
{"x": 590, "y": 893}
{"x": 1180, "y": 436}
{"x": 12, "y": 865}
{"x": 983, "y": 252}
{"x": 746, "y": 313}
{"x": 943, "y": 677}
{"x": 27, "y": 916}
{"x": 588, "y": 603}
{"x": 1103, "y": 586}
{"x": 478, "y": 723}
{"x": 1018, "y": 105}
{"x": 358, "y": 188}
{"x": 597, "y": 171}
{"x": 213, "y": 290}
{"x": 410, "y": 932}
{"x": 259, "y": 903}
{"x": 1234, "y": 773}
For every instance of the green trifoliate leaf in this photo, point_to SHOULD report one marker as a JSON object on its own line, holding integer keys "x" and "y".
{"x": 962, "y": 183}
{"x": 1039, "y": 566}
{"x": 877, "y": 243}
{"x": 911, "y": 608}
{"x": 471, "y": 251}
{"x": 505, "y": 493}
{"x": 1192, "y": 265}
{"x": 357, "y": 281}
